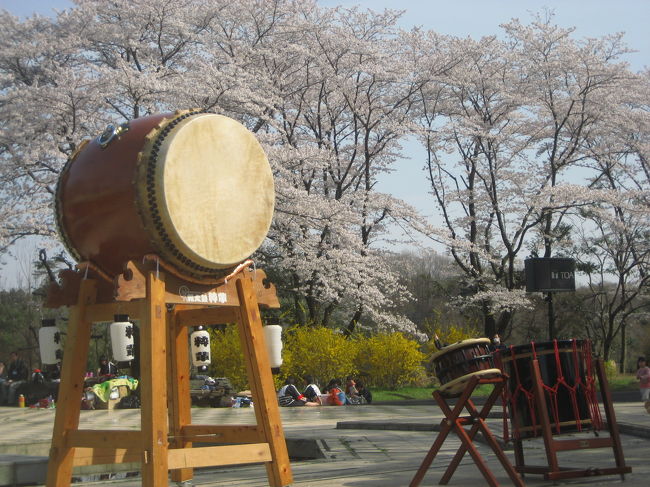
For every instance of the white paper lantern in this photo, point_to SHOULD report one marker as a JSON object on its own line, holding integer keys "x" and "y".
{"x": 273, "y": 338}
{"x": 49, "y": 341}
{"x": 200, "y": 341}
{"x": 122, "y": 340}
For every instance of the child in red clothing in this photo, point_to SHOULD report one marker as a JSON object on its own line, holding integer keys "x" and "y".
{"x": 336, "y": 395}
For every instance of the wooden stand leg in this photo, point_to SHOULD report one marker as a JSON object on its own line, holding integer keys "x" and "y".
{"x": 445, "y": 428}
{"x": 178, "y": 385}
{"x": 519, "y": 453}
{"x": 258, "y": 367}
{"x": 454, "y": 421}
{"x": 467, "y": 442}
{"x": 153, "y": 367}
{"x": 59, "y": 471}
{"x": 612, "y": 425}
{"x": 545, "y": 424}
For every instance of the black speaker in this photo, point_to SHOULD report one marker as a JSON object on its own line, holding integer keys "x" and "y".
{"x": 550, "y": 275}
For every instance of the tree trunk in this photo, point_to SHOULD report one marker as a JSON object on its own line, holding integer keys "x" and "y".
{"x": 505, "y": 318}
{"x": 552, "y": 332}
{"x": 353, "y": 323}
{"x": 607, "y": 346}
{"x": 623, "y": 356}
{"x": 489, "y": 323}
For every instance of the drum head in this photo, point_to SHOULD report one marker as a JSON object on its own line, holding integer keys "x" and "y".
{"x": 455, "y": 387}
{"x": 458, "y": 345}
{"x": 213, "y": 191}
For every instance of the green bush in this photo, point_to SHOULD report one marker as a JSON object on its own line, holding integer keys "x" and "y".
{"x": 227, "y": 357}
{"x": 389, "y": 360}
{"x": 318, "y": 351}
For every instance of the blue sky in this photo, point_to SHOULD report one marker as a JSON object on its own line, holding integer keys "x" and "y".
{"x": 474, "y": 18}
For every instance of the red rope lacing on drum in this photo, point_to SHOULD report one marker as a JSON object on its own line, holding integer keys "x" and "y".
{"x": 553, "y": 390}
{"x": 519, "y": 389}
{"x": 509, "y": 398}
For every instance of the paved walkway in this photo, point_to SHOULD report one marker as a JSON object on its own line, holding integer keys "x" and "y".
{"x": 362, "y": 457}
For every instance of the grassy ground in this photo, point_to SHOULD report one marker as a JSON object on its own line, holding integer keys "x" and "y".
{"x": 619, "y": 383}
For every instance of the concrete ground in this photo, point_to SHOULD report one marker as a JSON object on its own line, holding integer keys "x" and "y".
{"x": 361, "y": 446}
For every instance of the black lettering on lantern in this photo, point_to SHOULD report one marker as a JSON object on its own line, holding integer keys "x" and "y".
{"x": 202, "y": 356}
{"x": 129, "y": 331}
{"x": 57, "y": 337}
{"x": 129, "y": 350}
{"x": 201, "y": 340}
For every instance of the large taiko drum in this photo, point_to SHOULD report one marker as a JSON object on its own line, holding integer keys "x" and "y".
{"x": 456, "y": 364}
{"x": 567, "y": 381}
{"x": 194, "y": 188}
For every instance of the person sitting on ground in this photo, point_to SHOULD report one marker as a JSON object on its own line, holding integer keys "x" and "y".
{"x": 350, "y": 387}
{"x": 312, "y": 391}
{"x": 351, "y": 392}
{"x": 106, "y": 367}
{"x": 289, "y": 396}
{"x": 336, "y": 394}
{"x": 364, "y": 392}
{"x": 17, "y": 373}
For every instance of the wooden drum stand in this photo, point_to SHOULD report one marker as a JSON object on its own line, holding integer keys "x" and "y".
{"x": 456, "y": 423}
{"x": 553, "y": 446}
{"x": 165, "y": 305}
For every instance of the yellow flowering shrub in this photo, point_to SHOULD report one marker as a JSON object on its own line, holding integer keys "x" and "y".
{"x": 227, "y": 357}
{"x": 318, "y": 351}
{"x": 389, "y": 360}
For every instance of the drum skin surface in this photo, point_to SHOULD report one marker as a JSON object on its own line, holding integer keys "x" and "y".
{"x": 194, "y": 188}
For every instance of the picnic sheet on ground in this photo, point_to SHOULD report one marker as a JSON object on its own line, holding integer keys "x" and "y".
{"x": 103, "y": 390}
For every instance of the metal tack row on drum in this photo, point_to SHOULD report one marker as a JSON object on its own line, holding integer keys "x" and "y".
{"x": 566, "y": 372}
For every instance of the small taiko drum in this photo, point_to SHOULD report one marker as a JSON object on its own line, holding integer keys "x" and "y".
{"x": 567, "y": 381}
{"x": 456, "y": 364}
{"x": 193, "y": 188}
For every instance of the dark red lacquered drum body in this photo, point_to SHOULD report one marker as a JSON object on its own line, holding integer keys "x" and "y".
{"x": 567, "y": 381}
{"x": 456, "y": 364}
{"x": 193, "y": 188}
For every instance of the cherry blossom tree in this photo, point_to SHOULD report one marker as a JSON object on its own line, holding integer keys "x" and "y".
{"x": 323, "y": 89}
{"x": 331, "y": 94}
{"x": 503, "y": 139}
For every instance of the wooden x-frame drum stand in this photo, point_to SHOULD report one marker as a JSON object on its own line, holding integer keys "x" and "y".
{"x": 456, "y": 423}
{"x": 166, "y": 305}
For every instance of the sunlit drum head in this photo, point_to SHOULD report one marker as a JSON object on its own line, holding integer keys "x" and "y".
{"x": 209, "y": 191}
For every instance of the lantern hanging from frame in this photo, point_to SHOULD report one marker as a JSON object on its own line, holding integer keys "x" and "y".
{"x": 49, "y": 342}
{"x": 122, "y": 339}
{"x": 200, "y": 342}
{"x": 273, "y": 339}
